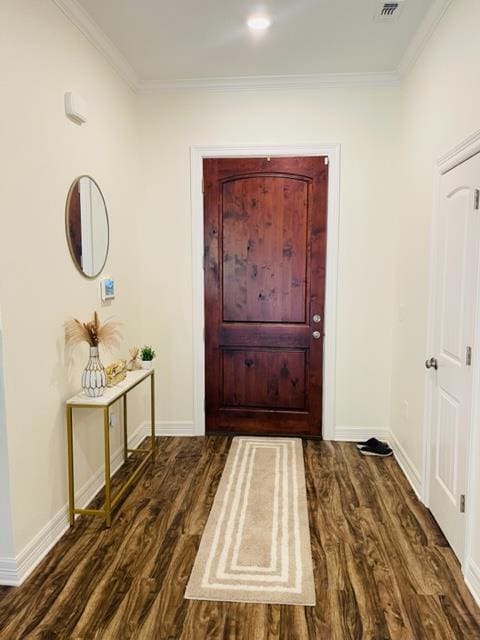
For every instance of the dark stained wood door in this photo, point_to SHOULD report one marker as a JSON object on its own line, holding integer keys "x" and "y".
{"x": 265, "y": 251}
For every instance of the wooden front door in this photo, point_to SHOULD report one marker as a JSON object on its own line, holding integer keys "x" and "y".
{"x": 265, "y": 249}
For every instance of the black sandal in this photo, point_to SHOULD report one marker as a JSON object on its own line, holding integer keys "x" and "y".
{"x": 372, "y": 442}
{"x": 379, "y": 452}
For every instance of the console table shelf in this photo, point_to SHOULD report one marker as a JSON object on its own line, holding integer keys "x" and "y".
{"x": 111, "y": 395}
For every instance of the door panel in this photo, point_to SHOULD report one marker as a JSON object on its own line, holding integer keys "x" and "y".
{"x": 273, "y": 379}
{"x": 265, "y": 246}
{"x": 264, "y": 226}
{"x": 455, "y": 256}
{"x": 456, "y": 286}
{"x": 447, "y": 450}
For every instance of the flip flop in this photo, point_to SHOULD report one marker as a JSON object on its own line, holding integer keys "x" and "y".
{"x": 372, "y": 442}
{"x": 379, "y": 452}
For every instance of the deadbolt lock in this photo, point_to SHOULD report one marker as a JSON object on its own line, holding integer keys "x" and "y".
{"x": 316, "y": 318}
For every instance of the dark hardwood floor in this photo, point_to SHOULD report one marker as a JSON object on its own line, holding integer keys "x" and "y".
{"x": 382, "y": 567}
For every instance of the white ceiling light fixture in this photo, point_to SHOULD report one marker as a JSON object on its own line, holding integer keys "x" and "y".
{"x": 258, "y": 22}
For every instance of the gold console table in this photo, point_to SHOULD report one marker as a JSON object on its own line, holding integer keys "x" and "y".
{"x": 111, "y": 395}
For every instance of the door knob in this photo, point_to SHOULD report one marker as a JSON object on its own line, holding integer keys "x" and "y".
{"x": 432, "y": 363}
{"x": 316, "y": 335}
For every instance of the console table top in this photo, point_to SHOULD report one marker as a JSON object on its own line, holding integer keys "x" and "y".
{"x": 111, "y": 393}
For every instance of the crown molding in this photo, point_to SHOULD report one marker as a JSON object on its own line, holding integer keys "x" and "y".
{"x": 255, "y": 83}
{"x": 90, "y": 29}
{"x": 422, "y": 36}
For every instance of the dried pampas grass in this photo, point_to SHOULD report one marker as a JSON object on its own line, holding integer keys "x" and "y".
{"x": 93, "y": 333}
{"x": 133, "y": 363}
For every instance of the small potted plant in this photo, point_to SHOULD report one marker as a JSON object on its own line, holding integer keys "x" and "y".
{"x": 147, "y": 354}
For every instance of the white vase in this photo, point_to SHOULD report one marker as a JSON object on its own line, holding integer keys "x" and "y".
{"x": 146, "y": 364}
{"x": 94, "y": 379}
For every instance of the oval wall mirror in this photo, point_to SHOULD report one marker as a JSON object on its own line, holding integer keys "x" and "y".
{"x": 86, "y": 222}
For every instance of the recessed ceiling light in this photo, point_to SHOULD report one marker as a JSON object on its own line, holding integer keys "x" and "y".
{"x": 259, "y": 23}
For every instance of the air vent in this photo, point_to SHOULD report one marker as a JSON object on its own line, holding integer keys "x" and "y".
{"x": 388, "y": 11}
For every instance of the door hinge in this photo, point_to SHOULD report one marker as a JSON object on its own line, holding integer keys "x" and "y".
{"x": 476, "y": 199}
{"x": 203, "y": 185}
{"x": 326, "y": 160}
{"x": 204, "y": 334}
{"x": 468, "y": 357}
{"x": 462, "y": 504}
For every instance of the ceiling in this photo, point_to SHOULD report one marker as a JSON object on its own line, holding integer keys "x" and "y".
{"x": 166, "y": 42}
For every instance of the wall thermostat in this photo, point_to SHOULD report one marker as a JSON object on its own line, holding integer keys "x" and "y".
{"x": 108, "y": 289}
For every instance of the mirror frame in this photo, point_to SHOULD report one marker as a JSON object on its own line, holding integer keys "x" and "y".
{"x": 67, "y": 230}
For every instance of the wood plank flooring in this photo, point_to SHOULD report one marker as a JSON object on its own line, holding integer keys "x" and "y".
{"x": 382, "y": 567}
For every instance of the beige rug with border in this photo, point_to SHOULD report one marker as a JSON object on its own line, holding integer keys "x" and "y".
{"x": 256, "y": 543}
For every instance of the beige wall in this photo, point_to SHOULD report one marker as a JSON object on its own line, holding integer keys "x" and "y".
{"x": 440, "y": 101}
{"x": 42, "y": 55}
{"x": 364, "y": 122}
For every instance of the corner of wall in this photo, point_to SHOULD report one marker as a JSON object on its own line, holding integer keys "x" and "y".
{"x": 7, "y": 570}
{"x": 359, "y": 434}
{"x": 409, "y": 469}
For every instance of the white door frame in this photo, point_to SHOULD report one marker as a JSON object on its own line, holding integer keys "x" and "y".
{"x": 197, "y": 154}
{"x": 458, "y": 154}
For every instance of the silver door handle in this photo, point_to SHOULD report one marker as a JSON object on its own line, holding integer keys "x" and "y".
{"x": 432, "y": 363}
{"x": 316, "y": 335}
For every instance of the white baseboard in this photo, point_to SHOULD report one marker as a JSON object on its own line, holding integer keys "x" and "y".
{"x": 409, "y": 469}
{"x": 170, "y": 428}
{"x": 472, "y": 580}
{"x": 13, "y": 571}
{"x": 8, "y": 572}
{"x": 359, "y": 434}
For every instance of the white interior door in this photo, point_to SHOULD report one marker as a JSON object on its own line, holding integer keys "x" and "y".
{"x": 451, "y": 367}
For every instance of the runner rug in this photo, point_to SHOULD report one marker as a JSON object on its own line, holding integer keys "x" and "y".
{"x": 256, "y": 543}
